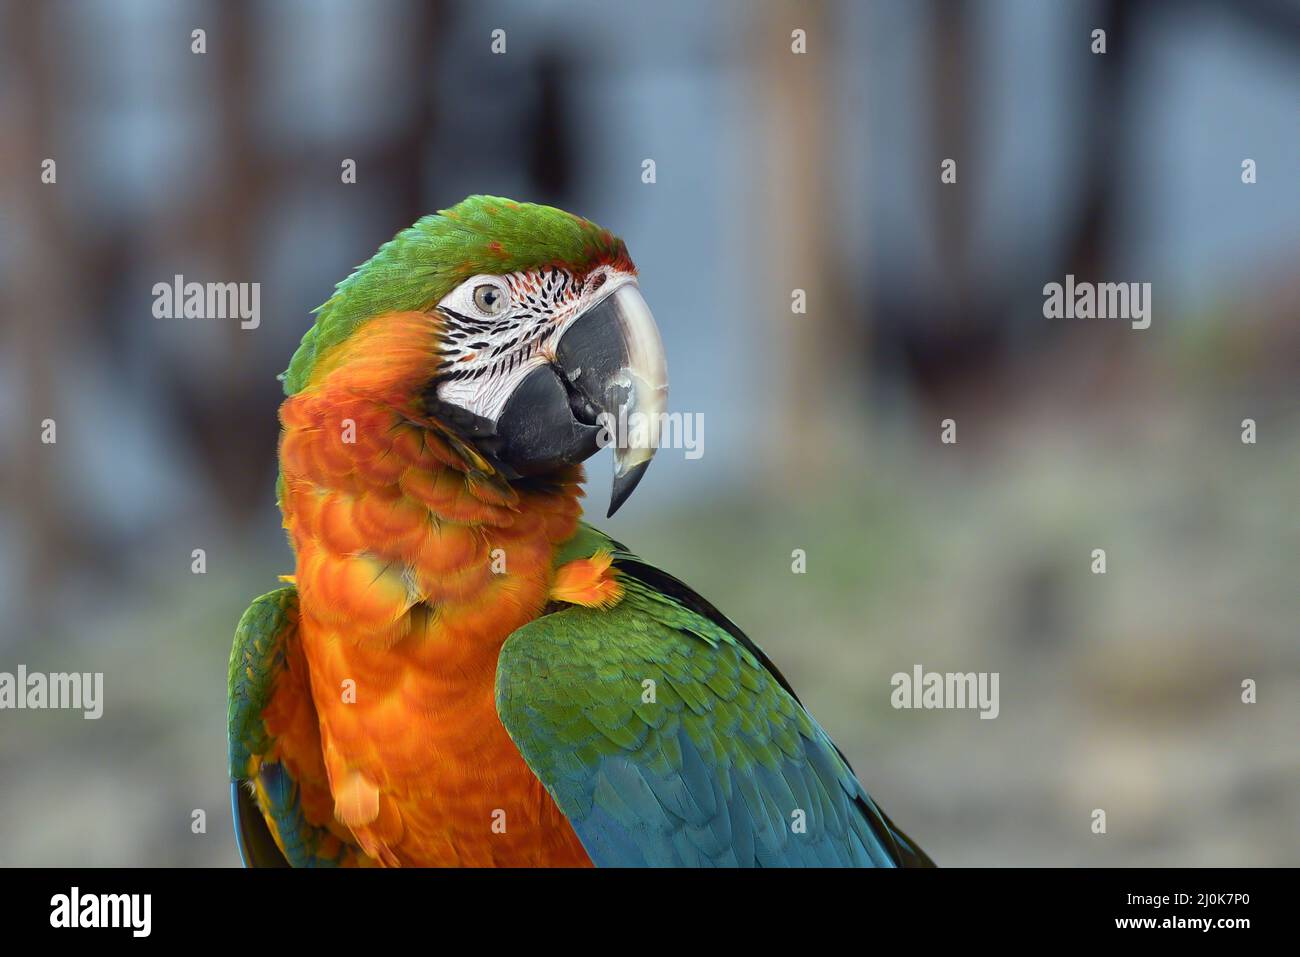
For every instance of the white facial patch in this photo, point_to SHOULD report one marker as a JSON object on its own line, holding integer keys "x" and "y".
{"x": 490, "y": 344}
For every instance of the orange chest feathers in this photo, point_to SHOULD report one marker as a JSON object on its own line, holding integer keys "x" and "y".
{"x": 411, "y": 573}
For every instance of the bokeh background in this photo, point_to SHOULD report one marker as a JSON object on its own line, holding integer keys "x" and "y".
{"x": 774, "y": 171}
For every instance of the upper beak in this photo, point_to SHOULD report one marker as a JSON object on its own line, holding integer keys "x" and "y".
{"x": 606, "y": 385}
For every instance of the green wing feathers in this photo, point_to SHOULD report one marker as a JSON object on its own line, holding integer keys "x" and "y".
{"x": 256, "y": 660}
{"x": 266, "y": 798}
{"x": 666, "y": 738}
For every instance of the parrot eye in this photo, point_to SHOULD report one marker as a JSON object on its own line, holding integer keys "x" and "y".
{"x": 490, "y": 299}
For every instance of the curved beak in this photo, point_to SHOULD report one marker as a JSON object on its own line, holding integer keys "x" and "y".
{"x": 607, "y": 384}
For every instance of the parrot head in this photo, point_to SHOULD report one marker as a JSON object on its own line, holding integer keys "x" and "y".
{"x": 544, "y": 349}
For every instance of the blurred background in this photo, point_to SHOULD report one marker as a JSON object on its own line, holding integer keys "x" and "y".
{"x": 774, "y": 171}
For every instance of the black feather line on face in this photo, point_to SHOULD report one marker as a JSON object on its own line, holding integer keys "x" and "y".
{"x": 460, "y": 319}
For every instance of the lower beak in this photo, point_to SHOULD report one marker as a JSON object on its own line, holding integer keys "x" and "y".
{"x": 607, "y": 385}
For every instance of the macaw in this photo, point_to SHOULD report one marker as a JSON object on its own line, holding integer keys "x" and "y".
{"x": 462, "y": 672}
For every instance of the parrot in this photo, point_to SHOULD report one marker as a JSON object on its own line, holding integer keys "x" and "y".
{"x": 460, "y": 671}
